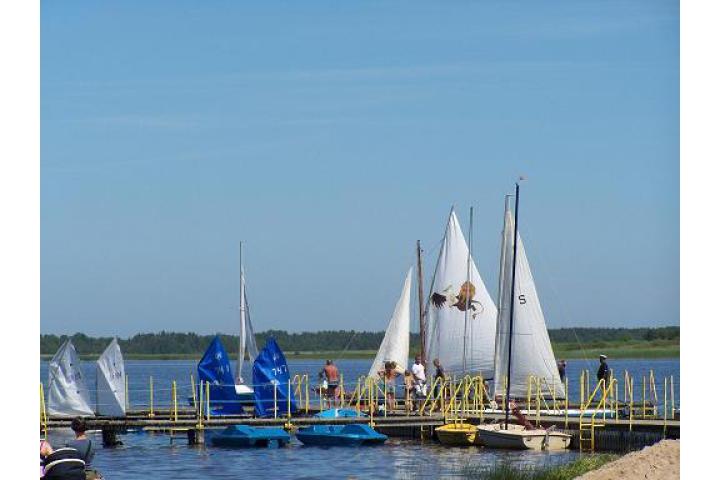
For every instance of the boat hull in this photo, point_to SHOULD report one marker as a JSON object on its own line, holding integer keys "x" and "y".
{"x": 242, "y": 436}
{"x": 353, "y": 435}
{"x": 492, "y": 436}
{"x": 458, "y": 434}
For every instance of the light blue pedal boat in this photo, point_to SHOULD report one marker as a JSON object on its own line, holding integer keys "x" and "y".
{"x": 243, "y": 436}
{"x": 352, "y": 435}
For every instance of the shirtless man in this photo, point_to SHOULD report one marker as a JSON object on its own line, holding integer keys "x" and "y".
{"x": 331, "y": 374}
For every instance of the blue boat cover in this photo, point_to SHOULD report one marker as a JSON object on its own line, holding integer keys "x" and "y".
{"x": 270, "y": 370}
{"x": 214, "y": 367}
{"x": 339, "y": 413}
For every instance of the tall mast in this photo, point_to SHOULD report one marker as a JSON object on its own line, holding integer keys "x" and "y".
{"x": 512, "y": 304}
{"x": 421, "y": 305}
{"x": 241, "y": 336}
{"x": 467, "y": 292}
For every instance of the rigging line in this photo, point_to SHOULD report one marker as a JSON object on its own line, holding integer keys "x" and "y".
{"x": 558, "y": 298}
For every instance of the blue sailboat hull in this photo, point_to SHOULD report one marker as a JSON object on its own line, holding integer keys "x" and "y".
{"x": 242, "y": 436}
{"x": 340, "y": 435}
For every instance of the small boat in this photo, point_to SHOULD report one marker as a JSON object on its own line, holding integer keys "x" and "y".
{"x": 229, "y": 394}
{"x": 352, "y": 435}
{"x": 522, "y": 342}
{"x": 460, "y": 434}
{"x": 339, "y": 413}
{"x": 516, "y": 437}
{"x": 244, "y": 436}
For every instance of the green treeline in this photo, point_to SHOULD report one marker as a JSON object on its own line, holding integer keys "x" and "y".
{"x": 169, "y": 343}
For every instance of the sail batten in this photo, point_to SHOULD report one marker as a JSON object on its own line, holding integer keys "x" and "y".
{"x": 532, "y": 353}
{"x": 455, "y": 289}
{"x": 395, "y": 345}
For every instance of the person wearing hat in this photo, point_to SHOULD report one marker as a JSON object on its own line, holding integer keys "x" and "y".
{"x": 603, "y": 372}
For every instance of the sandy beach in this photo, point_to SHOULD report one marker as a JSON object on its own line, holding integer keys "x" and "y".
{"x": 660, "y": 461}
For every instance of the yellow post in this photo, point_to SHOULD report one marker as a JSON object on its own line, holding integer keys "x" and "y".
{"x": 643, "y": 399}
{"x": 288, "y": 400}
{"x": 385, "y": 410}
{"x": 617, "y": 409}
{"x": 275, "y": 404}
{"x": 198, "y": 406}
{"x": 152, "y": 412}
{"x": 342, "y": 391}
{"x": 174, "y": 400}
{"x": 567, "y": 402}
{"x": 307, "y": 394}
{"x": 537, "y": 403}
{"x": 672, "y": 397}
{"x": 630, "y": 416}
{"x": 192, "y": 385}
{"x": 582, "y": 387}
{"x": 127, "y": 394}
{"x": 207, "y": 400}
{"x": 442, "y": 395}
{"x": 665, "y": 395}
{"x": 43, "y": 413}
{"x": 370, "y": 396}
{"x": 528, "y": 401}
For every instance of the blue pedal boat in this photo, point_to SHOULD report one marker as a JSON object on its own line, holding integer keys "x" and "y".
{"x": 240, "y": 436}
{"x": 339, "y": 413}
{"x": 354, "y": 434}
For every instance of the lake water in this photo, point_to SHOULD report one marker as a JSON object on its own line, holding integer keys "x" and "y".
{"x": 146, "y": 455}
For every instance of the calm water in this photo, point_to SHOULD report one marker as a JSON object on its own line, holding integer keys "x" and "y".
{"x": 146, "y": 454}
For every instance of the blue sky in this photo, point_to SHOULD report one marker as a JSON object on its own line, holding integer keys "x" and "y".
{"x": 330, "y": 137}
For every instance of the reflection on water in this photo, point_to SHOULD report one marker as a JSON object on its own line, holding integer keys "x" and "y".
{"x": 145, "y": 455}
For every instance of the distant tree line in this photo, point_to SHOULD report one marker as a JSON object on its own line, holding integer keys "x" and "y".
{"x": 326, "y": 340}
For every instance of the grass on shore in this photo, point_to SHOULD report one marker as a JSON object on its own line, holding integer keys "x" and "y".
{"x": 616, "y": 349}
{"x": 504, "y": 471}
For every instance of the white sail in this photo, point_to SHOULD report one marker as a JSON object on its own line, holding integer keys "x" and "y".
{"x": 395, "y": 346}
{"x": 461, "y": 347}
{"x": 67, "y": 392}
{"x": 532, "y": 353}
{"x": 111, "y": 382}
{"x": 247, "y": 345}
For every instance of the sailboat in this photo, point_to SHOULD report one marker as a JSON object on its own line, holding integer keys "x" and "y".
{"x": 395, "y": 346}
{"x": 246, "y": 340}
{"x": 523, "y": 348}
{"x": 229, "y": 393}
{"x": 461, "y": 313}
{"x": 110, "y": 378}
{"x": 67, "y": 392}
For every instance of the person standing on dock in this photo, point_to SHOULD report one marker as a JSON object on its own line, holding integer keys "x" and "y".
{"x": 603, "y": 372}
{"x": 331, "y": 375}
{"x": 388, "y": 376}
{"x": 561, "y": 365}
{"x": 439, "y": 373}
{"x": 418, "y": 371}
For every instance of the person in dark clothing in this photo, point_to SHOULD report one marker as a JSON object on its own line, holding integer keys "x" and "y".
{"x": 561, "y": 365}
{"x": 81, "y": 443}
{"x": 603, "y": 372}
{"x": 61, "y": 464}
{"x": 439, "y": 373}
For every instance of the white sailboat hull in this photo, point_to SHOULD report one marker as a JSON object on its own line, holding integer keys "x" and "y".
{"x": 517, "y": 438}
